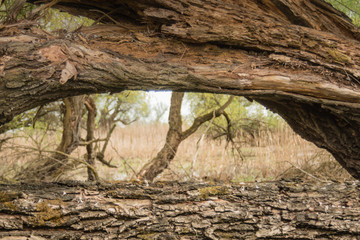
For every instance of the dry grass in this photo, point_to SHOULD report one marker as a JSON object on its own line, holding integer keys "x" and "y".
{"x": 21, "y": 151}
{"x": 270, "y": 156}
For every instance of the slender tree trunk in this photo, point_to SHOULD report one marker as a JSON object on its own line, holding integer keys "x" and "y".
{"x": 71, "y": 126}
{"x": 90, "y": 128}
{"x": 175, "y": 136}
{"x": 57, "y": 163}
{"x": 70, "y": 140}
{"x": 269, "y": 210}
{"x": 173, "y": 139}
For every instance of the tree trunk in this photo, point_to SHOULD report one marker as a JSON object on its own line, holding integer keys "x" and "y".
{"x": 173, "y": 139}
{"x": 70, "y": 140}
{"x": 55, "y": 164}
{"x": 90, "y": 129}
{"x": 175, "y": 136}
{"x": 71, "y": 126}
{"x": 301, "y": 58}
{"x": 269, "y": 210}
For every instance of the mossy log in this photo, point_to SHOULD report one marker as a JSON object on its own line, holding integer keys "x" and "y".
{"x": 172, "y": 210}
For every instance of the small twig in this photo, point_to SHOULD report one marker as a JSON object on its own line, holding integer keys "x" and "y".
{"x": 235, "y": 69}
{"x": 199, "y": 142}
{"x": 104, "y": 15}
{"x": 68, "y": 156}
{"x": 108, "y": 136}
{"x": 183, "y": 54}
{"x": 39, "y": 9}
{"x": 351, "y": 77}
{"x": 92, "y": 141}
{"x": 309, "y": 174}
{"x": 109, "y": 17}
{"x": 24, "y": 23}
{"x": 102, "y": 160}
{"x": 36, "y": 116}
{"x": 124, "y": 161}
{"x": 187, "y": 174}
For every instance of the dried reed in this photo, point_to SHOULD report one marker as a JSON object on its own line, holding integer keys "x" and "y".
{"x": 269, "y": 156}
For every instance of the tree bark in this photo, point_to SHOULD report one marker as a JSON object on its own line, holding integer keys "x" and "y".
{"x": 173, "y": 139}
{"x": 269, "y": 210}
{"x": 175, "y": 136}
{"x": 55, "y": 164}
{"x": 90, "y": 129}
{"x": 70, "y": 140}
{"x": 301, "y": 58}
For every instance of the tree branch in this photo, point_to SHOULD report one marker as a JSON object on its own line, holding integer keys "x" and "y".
{"x": 206, "y": 117}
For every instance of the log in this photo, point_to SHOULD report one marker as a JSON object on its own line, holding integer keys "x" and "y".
{"x": 300, "y": 58}
{"x": 173, "y": 210}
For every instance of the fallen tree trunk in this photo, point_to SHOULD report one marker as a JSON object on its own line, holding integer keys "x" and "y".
{"x": 301, "y": 58}
{"x": 269, "y": 210}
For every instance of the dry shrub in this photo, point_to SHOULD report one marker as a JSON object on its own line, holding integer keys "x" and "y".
{"x": 30, "y": 149}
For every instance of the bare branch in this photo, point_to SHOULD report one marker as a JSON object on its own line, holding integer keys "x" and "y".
{"x": 206, "y": 117}
{"x": 92, "y": 141}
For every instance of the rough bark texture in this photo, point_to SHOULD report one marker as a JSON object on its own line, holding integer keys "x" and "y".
{"x": 301, "y": 58}
{"x": 272, "y": 210}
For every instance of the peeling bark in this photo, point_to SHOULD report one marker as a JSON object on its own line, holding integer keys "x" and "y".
{"x": 269, "y": 210}
{"x": 301, "y": 58}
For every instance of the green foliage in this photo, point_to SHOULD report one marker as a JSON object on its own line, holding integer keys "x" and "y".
{"x": 350, "y": 7}
{"x": 47, "y": 116}
{"x": 245, "y": 117}
{"x": 125, "y": 107}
